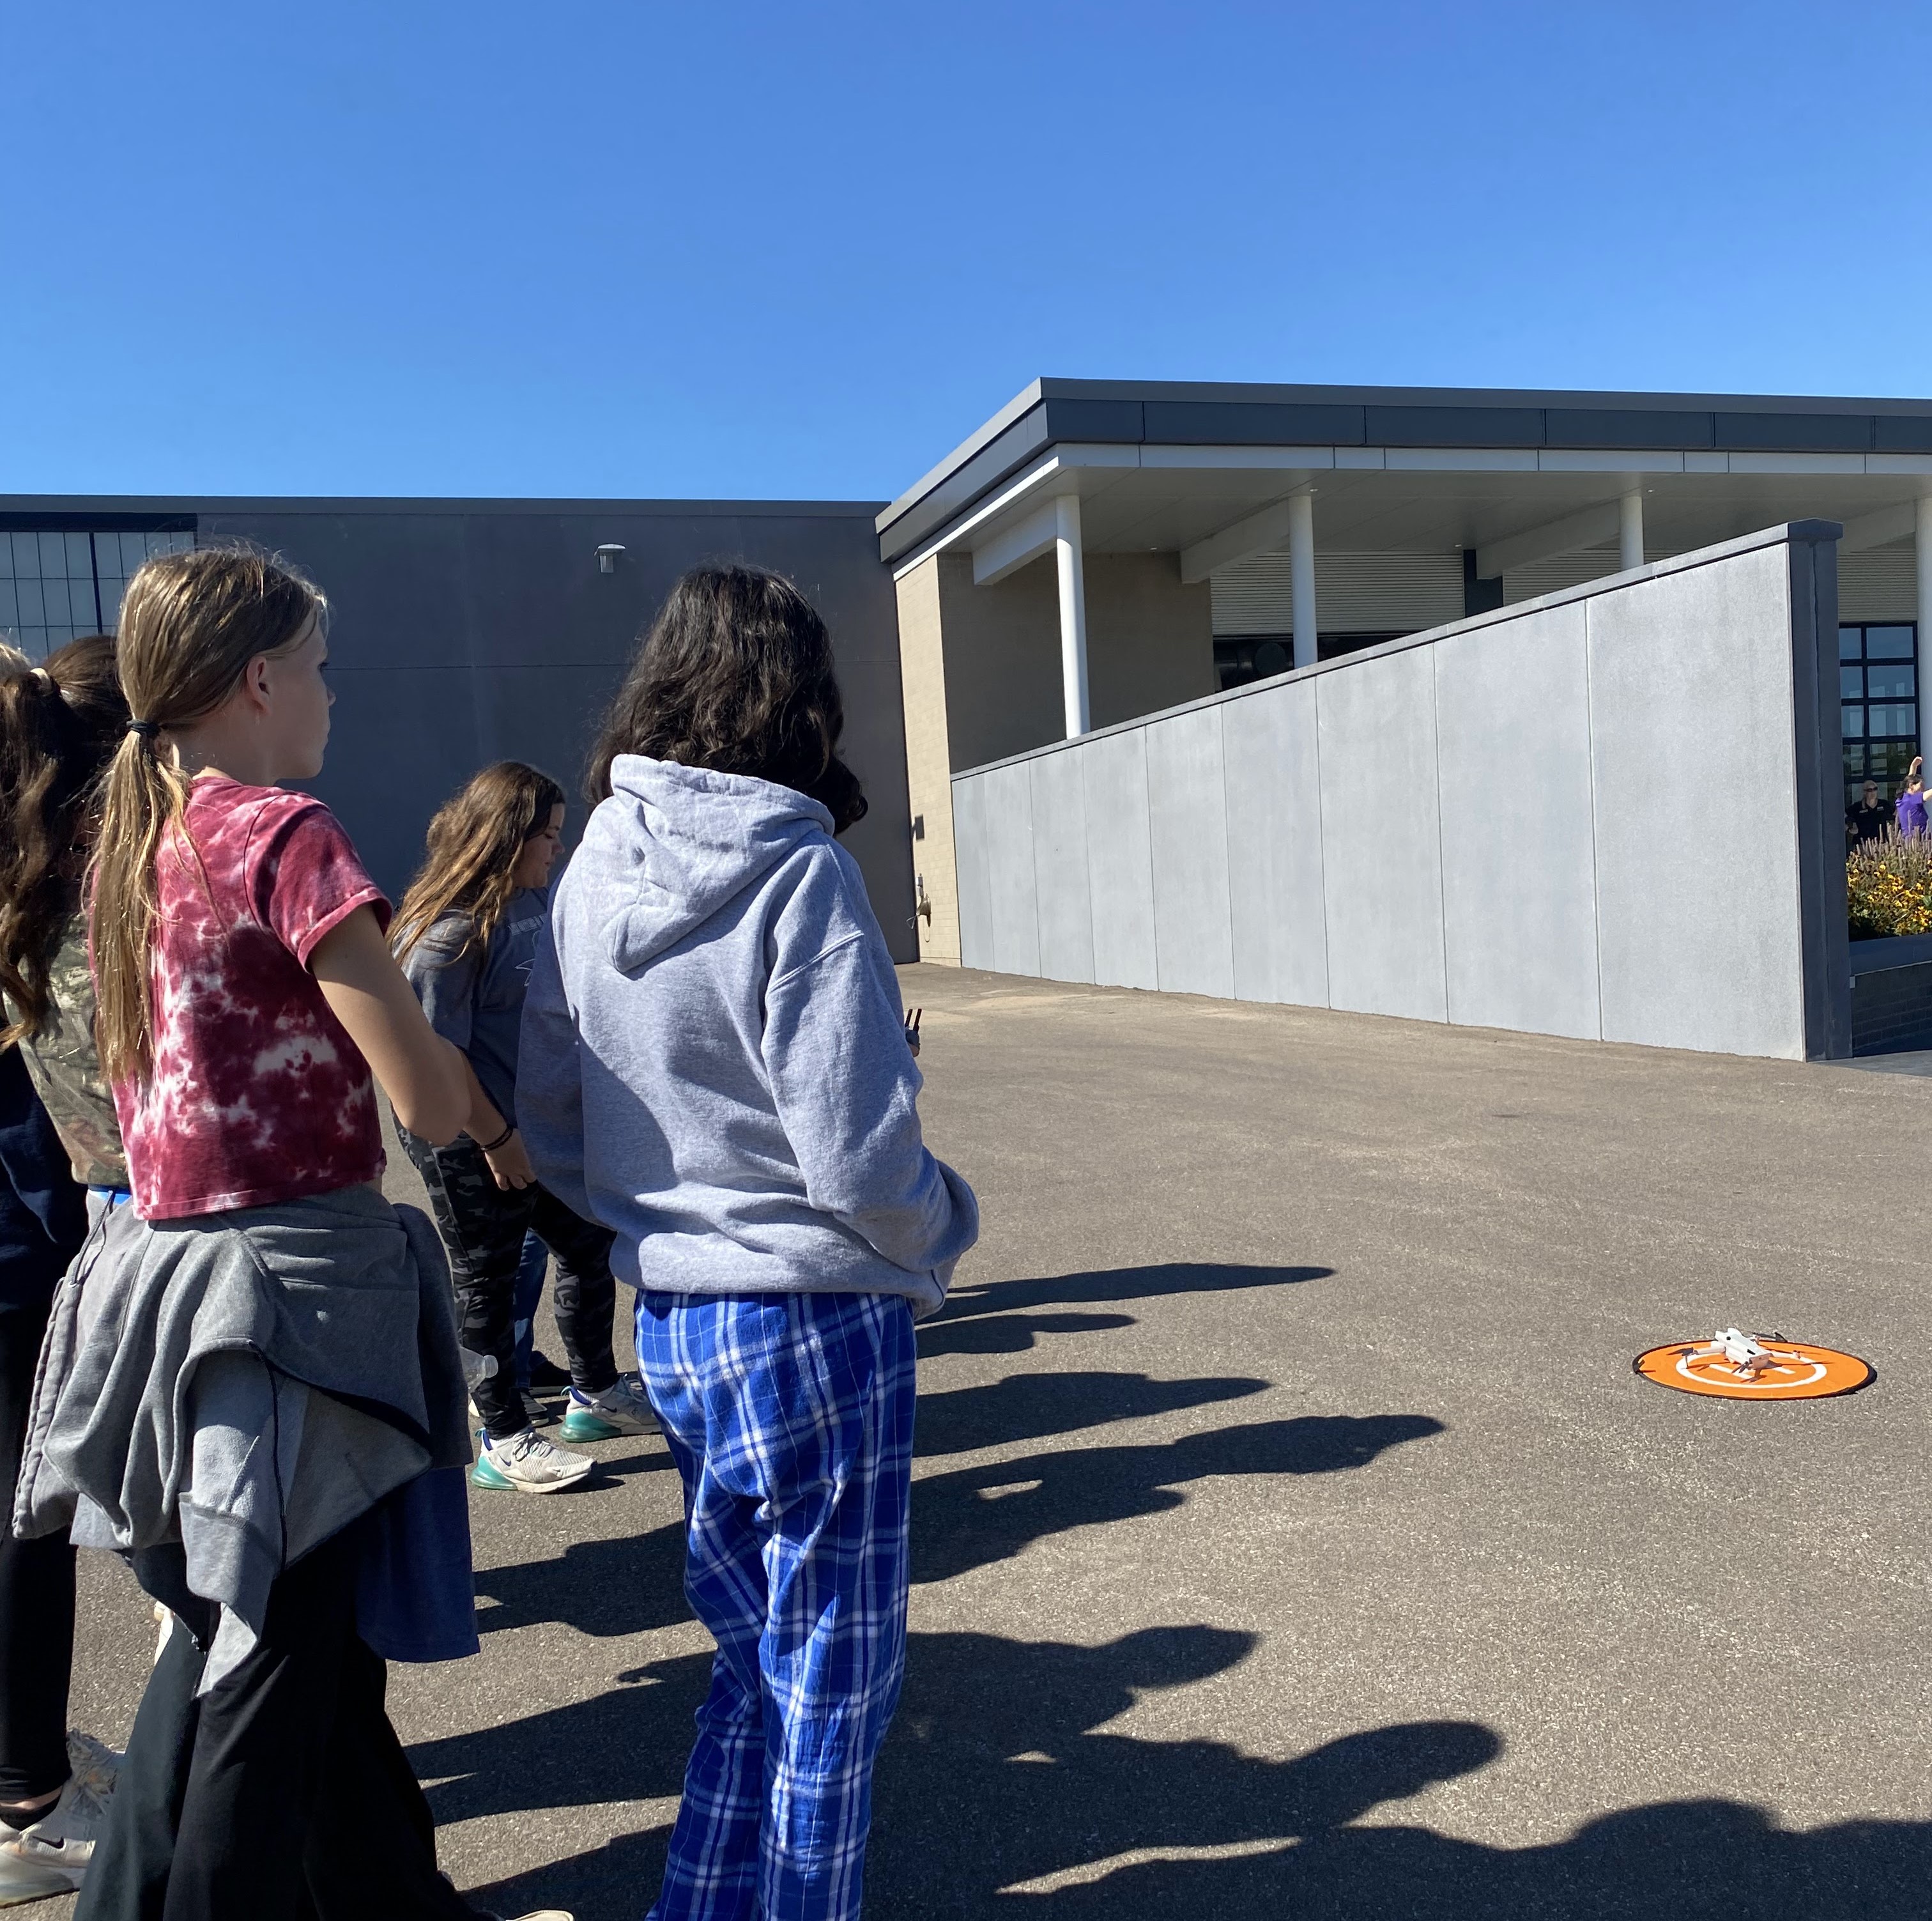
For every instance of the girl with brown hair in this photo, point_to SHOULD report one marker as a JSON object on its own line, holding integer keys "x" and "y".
{"x": 466, "y": 933}
{"x": 266, "y": 1379}
{"x": 59, "y": 725}
{"x": 715, "y": 1065}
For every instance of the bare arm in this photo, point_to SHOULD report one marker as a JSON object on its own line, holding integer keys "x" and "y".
{"x": 425, "y": 1078}
{"x": 509, "y": 1164}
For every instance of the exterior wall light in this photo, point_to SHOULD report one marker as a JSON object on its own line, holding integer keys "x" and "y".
{"x": 607, "y": 557}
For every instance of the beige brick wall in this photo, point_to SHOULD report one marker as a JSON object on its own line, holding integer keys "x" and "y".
{"x": 928, "y": 759}
{"x": 1150, "y": 636}
{"x": 980, "y": 670}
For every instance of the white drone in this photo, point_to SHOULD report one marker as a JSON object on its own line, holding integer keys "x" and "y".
{"x": 1747, "y": 1355}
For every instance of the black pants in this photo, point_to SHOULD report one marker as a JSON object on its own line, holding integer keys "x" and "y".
{"x": 283, "y": 1794}
{"x": 36, "y": 1593}
{"x": 482, "y": 1226}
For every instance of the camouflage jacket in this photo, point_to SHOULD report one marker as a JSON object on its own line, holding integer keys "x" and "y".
{"x": 65, "y": 1069}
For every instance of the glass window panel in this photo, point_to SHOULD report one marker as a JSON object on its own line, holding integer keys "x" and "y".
{"x": 1888, "y": 643}
{"x": 34, "y": 642}
{"x": 133, "y": 551}
{"x": 33, "y": 607}
{"x": 1852, "y": 722}
{"x": 1890, "y": 761}
{"x": 53, "y": 556}
{"x": 1849, "y": 641}
{"x": 10, "y": 606}
{"x": 1855, "y": 761}
{"x": 111, "y": 589}
{"x": 6, "y": 558}
{"x": 79, "y": 557}
{"x": 1894, "y": 681}
{"x": 27, "y": 555}
{"x": 55, "y": 592}
{"x": 1851, "y": 684}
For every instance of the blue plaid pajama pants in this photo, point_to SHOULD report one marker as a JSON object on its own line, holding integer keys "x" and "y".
{"x": 790, "y": 1417}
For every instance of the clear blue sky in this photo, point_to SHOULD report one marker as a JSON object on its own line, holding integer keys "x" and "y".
{"x": 393, "y": 246}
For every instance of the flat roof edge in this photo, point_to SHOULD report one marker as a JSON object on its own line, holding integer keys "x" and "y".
{"x": 197, "y": 504}
{"x": 1122, "y": 396}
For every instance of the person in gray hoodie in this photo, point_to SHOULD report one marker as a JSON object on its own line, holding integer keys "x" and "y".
{"x": 714, "y": 1064}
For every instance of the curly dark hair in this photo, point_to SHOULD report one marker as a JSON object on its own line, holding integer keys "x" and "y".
{"x": 60, "y": 724}
{"x": 734, "y": 674}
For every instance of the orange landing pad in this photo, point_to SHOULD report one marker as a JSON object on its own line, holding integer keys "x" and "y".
{"x": 1798, "y": 1372}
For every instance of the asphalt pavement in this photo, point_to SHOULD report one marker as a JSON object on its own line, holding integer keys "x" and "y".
{"x": 1292, "y": 1536}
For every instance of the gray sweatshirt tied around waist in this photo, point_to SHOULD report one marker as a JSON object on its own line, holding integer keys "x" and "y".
{"x": 714, "y": 1061}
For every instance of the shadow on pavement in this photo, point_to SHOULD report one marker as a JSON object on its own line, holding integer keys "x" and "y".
{"x": 1007, "y": 1333}
{"x": 1000, "y": 1793}
{"x": 1145, "y": 1283}
{"x": 978, "y": 1515}
{"x": 627, "y": 1586}
{"x": 1030, "y": 1407}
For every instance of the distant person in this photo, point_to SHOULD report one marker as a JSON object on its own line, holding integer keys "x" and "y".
{"x": 1911, "y": 807}
{"x": 715, "y": 1065}
{"x": 1869, "y": 820}
{"x": 465, "y": 934}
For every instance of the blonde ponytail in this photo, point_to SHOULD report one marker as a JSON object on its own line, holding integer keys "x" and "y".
{"x": 190, "y": 625}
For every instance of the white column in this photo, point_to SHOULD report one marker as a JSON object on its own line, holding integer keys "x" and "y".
{"x": 1923, "y": 546}
{"x": 1301, "y": 575}
{"x": 1630, "y": 532}
{"x": 1072, "y": 613}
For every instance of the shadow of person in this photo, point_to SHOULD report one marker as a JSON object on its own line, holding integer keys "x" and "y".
{"x": 975, "y": 1516}
{"x": 1007, "y": 1333}
{"x": 622, "y": 1586}
{"x": 1112, "y": 1284}
{"x": 627, "y": 1744}
{"x": 1029, "y": 1407}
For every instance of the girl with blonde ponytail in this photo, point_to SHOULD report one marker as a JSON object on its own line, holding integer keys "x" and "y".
{"x": 270, "y": 1343}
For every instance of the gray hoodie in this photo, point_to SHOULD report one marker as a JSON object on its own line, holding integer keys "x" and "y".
{"x": 714, "y": 1060}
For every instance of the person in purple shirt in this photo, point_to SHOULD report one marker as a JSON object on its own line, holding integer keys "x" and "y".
{"x": 1911, "y": 808}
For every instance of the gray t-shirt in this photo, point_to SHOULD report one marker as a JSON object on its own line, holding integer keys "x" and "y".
{"x": 475, "y": 999}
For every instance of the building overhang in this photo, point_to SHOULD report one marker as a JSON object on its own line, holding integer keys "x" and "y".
{"x": 1180, "y": 468}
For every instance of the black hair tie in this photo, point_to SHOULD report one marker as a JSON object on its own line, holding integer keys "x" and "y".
{"x": 146, "y": 729}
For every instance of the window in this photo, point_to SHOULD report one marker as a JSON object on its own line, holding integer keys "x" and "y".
{"x": 57, "y": 585}
{"x": 1878, "y": 693}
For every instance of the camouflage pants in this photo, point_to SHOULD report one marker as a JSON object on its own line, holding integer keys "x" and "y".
{"x": 482, "y": 1226}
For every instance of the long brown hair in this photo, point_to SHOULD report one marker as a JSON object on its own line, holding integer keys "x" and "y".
{"x": 734, "y": 674}
{"x": 190, "y": 625}
{"x": 474, "y": 842}
{"x": 59, "y": 726}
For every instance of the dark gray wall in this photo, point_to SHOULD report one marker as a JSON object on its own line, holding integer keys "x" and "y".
{"x": 466, "y": 632}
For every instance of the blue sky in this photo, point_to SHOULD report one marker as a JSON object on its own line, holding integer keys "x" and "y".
{"x": 799, "y": 251}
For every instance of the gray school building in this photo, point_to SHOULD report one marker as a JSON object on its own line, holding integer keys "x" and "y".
{"x": 1538, "y": 710}
{"x": 465, "y": 632}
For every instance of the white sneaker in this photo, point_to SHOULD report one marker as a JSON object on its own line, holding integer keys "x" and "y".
{"x": 621, "y": 1408}
{"x": 50, "y": 1856}
{"x": 526, "y": 1464}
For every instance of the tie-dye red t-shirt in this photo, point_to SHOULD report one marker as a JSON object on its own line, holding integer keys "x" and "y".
{"x": 258, "y": 1094}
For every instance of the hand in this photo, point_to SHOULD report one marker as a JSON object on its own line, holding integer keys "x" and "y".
{"x": 510, "y": 1164}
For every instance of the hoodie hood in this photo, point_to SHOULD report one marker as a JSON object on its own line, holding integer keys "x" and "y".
{"x": 674, "y": 845}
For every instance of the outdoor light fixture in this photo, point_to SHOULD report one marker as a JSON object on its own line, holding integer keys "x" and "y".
{"x": 607, "y": 557}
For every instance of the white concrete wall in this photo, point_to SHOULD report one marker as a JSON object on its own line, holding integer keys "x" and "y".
{"x": 1577, "y": 816}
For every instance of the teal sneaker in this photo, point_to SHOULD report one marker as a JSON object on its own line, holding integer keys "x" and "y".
{"x": 621, "y": 1408}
